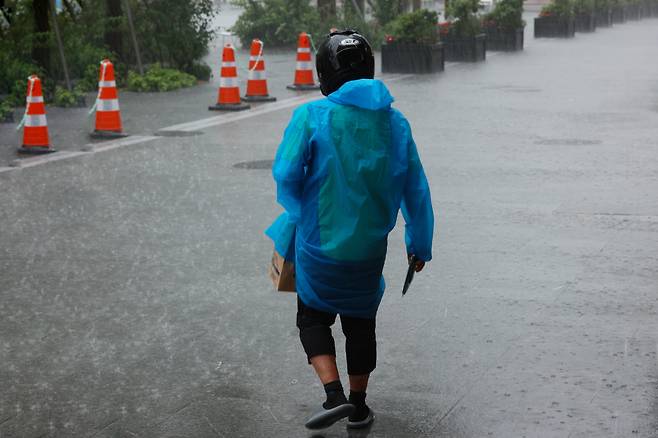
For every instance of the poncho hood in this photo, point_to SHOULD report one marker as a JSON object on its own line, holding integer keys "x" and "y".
{"x": 369, "y": 94}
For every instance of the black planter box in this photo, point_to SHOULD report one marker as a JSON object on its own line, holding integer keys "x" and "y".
{"x": 507, "y": 40}
{"x": 619, "y": 14}
{"x": 466, "y": 49}
{"x": 554, "y": 27}
{"x": 412, "y": 58}
{"x": 586, "y": 22}
{"x": 604, "y": 18}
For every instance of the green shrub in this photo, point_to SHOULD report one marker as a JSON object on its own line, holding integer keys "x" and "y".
{"x": 603, "y": 5}
{"x": 277, "y": 22}
{"x": 416, "y": 27}
{"x": 508, "y": 14}
{"x": 173, "y": 32}
{"x": 463, "y": 17}
{"x": 6, "y": 109}
{"x": 558, "y": 8}
{"x": 583, "y": 6}
{"x": 349, "y": 18}
{"x": 13, "y": 78}
{"x": 159, "y": 79}
{"x": 200, "y": 71}
{"x": 67, "y": 99}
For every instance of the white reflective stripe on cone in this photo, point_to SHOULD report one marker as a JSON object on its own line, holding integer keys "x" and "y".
{"x": 228, "y": 64}
{"x": 107, "y": 84}
{"x": 228, "y": 82}
{"x": 304, "y": 65}
{"x": 253, "y": 58}
{"x": 107, "y": 105}
{"x": 34, "y": 99}
{"x": 256, "y": 74}
{"x": 36, "y": 120}
{"x": 303, "y": 50}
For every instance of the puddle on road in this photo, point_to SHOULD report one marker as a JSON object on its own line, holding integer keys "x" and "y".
{"x": 566, "y": 142}
{"x": 255, "y": 165}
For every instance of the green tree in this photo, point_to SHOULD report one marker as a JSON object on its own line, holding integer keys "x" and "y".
{"x": 278, "y": 22}
{"x": 386, "y": 11}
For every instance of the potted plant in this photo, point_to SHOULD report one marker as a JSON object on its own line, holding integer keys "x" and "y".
{"x": 556, "y": 20}
{"x": 619, "y": 11}
{"x": 412, "y": 44}
{"x": 584, "y": 15}
{"x": 603, "y": 11}
{"x": 504, "y": 26}
{"x": 463, "y": 36}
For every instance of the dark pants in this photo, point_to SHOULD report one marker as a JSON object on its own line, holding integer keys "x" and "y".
{"x": 360, "y": 343}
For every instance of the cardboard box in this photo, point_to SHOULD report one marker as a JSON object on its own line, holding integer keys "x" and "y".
{"x": 282, "y": 273}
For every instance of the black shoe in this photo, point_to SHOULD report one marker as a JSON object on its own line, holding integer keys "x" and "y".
{"x": 326, "y": 417}
{"x": 362, "y": 417}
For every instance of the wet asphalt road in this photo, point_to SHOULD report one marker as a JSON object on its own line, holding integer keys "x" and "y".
{"x": 134, "y": 300}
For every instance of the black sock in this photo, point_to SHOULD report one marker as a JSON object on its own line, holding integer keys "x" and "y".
{"x": 335, "y": 395}
{"x": 358, "y": 398}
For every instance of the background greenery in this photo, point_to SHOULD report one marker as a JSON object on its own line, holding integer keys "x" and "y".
{"x": 463, "y": 15}
{"x": 507, "y": 14}
{"x": 171, "y": 33}
{"x": 416, "y": 27}
{"x": 559, "y": 8}
{"x": 279, "y": 22}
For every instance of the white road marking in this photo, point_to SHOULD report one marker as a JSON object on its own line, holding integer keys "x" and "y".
{"x": 264, "y": 109}
{"x": 106, "y": 146}
{"x": 43, "y": 159}
{"x": 195, "y": 125}
{"x": 234, "y": 117}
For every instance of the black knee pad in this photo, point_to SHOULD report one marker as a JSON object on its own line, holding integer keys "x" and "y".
{"x": 317, "y": 340}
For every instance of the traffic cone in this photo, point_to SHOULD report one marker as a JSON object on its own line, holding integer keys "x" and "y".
{"x": 257, "y": 81}
{"x": 108, "y": 115}
{"x": 228, "y": 98}
{"x": 304, "y": 70}
{"x": 35, "y": 131}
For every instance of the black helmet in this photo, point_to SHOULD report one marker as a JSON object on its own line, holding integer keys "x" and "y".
{"x": 343, "y": 56}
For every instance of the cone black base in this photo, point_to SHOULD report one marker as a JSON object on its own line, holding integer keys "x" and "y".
{"x": 229, "y": 107}
{"x": 36, "y": 150}
{"x": 107, "y": 134}
{"x": 267, "y": 98}
{"x": 303, "y": 87}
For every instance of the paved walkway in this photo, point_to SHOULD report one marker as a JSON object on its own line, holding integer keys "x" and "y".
{"x": 134, "y": 301}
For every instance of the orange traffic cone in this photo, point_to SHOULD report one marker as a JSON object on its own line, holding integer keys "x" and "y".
{"x": 257, "y": 81}
{"x": 108, "y": 115}
{"x": 35, "y": 131}
{"x": 304, "y": 70}
{"x": 228, "y": 98}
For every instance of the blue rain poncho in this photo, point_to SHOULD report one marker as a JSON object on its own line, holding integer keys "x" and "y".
{"x": 345, "y": 167}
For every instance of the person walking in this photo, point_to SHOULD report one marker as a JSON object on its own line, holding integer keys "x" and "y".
{"x": 347, "y": 164}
